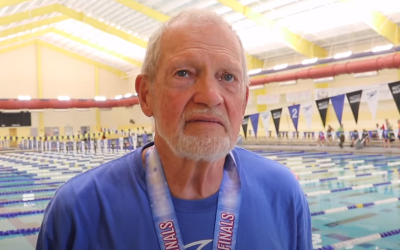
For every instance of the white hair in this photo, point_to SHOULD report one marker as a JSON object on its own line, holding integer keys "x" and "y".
{"x": 197, "y": 17}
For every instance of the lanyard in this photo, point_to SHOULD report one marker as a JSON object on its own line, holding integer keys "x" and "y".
{"x": 163, "y": 212}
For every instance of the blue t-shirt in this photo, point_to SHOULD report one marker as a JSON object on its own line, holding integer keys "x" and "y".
{"x": 107, "y": 208}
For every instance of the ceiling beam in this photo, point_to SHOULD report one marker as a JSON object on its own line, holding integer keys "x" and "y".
{"x": 5, "y": 3}
{"x": 81, "y": 58}
{"x": 79, "y": 16}
{"x": 95, "y": 46}
{"x": 41, "y": 32}
{"x": 65, "y": 52}
{"x": 16, "y": 46}
{"x": 376, "y": 21}
{"x": 252, "y": 62}
{"x": 291, "y": 39}
{"x": 144, "y": 10}
{"x": 31, "y": 26}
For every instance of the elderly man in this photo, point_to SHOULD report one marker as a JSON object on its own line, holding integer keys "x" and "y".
{"x": 191, "y": 189}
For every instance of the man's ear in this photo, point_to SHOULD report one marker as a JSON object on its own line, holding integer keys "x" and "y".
{"x": 145, "y": 94}
{"x": 246, "y": 99}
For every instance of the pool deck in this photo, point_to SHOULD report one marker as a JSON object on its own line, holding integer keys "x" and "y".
{"x": 330, "y": 149}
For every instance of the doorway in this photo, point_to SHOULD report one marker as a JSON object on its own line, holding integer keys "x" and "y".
{"x": 13, "y": 133}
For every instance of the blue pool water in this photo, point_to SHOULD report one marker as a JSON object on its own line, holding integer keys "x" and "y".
{"x": 369, "y": 184}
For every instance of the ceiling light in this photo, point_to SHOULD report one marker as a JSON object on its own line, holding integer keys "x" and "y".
{"x": 256, "y": 87}
{"x": 24, "y": 98}
{"x": 118, "y": 97}
{"x": 254, "y": 71}
{"x": 281, "y": 66}
{"x": 291, "y": 82}
{"x": 128, "y": 95}
{"x": 64, "y": 98}
{"x": 365, "y": 74}
{"x": 342, "y": 55}
{"x": 382, "y": 48}
{"x": 324, "y": 79}
{"x": 309, "y": 61}
{"x": 100, "y": 98}
{"x": 80, "y": 110}
{"x": 11, "y": 111}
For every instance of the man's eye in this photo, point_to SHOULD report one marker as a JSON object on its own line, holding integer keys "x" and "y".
{"x": 228, "y": 77}
{"x": 182, "y": 73}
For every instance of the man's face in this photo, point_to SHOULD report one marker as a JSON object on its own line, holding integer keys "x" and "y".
{"x": 199, "y": 98}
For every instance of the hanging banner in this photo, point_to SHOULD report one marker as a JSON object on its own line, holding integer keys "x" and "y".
{"x": 294, "y": 114}
{"x": 395, "y": 90}
{"x": 354, "y": 99}
{"x": 245, "y": 122}
{"x": 268, "y": 99}
{"x": 372, "y": 98}
{"x": 254, "y": 123}
{"x": 265, "y": 119}
{"x": 308, "y": 113}
{"x": 338, "y": 104}
{"x": 323, "y": 105}
{"x": 276, "y": 116}
{"x": 300, "y": 96}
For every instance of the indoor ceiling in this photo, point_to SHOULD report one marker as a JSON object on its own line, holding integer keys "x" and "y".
{"x": 114, "y": 33}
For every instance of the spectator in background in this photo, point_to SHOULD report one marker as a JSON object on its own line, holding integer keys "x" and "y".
{"x": 354, "y": 138}
{"x": 341, "y": 135}
{"x": 329, "y": 133}
{"x": 387, "y": 133}
{"x": 375, "y": 133}
{"x": 321, "y": 139}
{"x": 365, "y": 138}
{"x": 398, "y": 131}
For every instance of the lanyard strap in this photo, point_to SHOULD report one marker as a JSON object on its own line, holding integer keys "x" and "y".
{"x": 163, "y": 212}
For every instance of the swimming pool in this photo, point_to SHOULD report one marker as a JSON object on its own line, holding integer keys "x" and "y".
{"x": 350, "y": 196}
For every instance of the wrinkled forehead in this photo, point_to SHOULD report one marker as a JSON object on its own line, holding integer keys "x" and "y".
{"x": 183, "y": 35}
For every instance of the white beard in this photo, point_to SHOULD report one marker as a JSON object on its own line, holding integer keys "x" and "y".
{"x": 202, "y": 147}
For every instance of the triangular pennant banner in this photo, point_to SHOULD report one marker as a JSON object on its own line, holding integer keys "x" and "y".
{"x": 245, "y": 122}
{"x": 276, "y": 116}
{"x": 323, "y": 105}
{"x": 265, "y": 119}
{"x": 372, "y": 97}
{"x": 254, "y": 123}
{"x": 294, "y": 114}
{"x": 338, "y": 103}
{"x": 395, "y": 89}
{"x": 354, "y": 99}
{"x": 308, "y": 113}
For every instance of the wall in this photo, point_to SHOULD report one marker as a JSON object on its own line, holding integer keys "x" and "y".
{"x": 64, "y": 75}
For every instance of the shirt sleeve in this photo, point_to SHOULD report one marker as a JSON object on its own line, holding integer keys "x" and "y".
{"x": 59, "y": 226}
{"x": 304, "y": 231}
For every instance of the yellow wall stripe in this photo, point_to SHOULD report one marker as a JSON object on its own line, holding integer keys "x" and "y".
{"x": 377, "y": 21}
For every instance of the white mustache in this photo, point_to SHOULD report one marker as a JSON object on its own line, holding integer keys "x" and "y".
{"x": 211, "y": 112}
